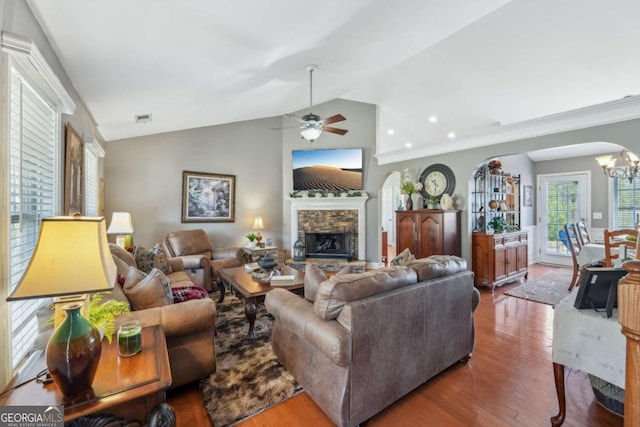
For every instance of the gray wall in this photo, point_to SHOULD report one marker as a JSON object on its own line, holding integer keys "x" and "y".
{"x": 143, "y": 176}
{"x": 463, "y": 163}
{"x": 361, "y": 123}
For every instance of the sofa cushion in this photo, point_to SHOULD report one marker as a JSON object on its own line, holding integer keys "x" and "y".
{"x": 122, "y": 255}
{"x": 335, "y": 293}
{"x": 313, "y": 276}
{"x": 147, "y": 290}
{"x": 155, "y": 257}
{"x": 403, "y": 258}
{"x": 437, "y": 266}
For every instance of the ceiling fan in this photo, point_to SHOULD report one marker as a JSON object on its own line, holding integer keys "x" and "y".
{"x": 312, "y": 125}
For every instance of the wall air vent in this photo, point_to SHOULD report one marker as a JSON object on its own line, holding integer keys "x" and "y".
{"x": 143, "y": 118}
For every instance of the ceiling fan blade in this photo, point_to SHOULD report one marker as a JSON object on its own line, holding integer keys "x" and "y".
{"x": 287, "y": 127}
{"x": 334, "y": 119}
{"x": 335, "y": 130}
{"x": 293, "y": 116}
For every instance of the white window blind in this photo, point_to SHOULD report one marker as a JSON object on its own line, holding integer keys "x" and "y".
{"x": 33, "y": 192}
{"x": 626, "y": 202}
{"x": 91, "y": 180}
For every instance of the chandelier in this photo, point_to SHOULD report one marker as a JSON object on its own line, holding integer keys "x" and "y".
{"x": 628, "y": 169}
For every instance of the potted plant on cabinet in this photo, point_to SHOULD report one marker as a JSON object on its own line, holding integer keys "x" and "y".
{"x": 252, "y": 237}
{"x": 432, "y": 202}
{"x": 498, "y": 224}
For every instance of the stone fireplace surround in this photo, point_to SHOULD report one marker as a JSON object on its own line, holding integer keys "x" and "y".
{"x": 329, "y": 214}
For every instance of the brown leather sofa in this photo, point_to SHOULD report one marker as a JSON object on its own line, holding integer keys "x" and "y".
{"x": 200, "y": 260}
{"x": 370, "y": 338}
{"x": 189, "y": 326}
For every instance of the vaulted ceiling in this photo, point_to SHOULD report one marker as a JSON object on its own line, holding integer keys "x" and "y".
{"x": 487, "y": 70}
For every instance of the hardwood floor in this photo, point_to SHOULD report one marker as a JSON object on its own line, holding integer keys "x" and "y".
{"x": 507, "y": 382}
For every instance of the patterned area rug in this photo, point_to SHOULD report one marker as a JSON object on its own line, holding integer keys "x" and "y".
{"x": 547, "y": 289}
{"x": 248, "y": 377}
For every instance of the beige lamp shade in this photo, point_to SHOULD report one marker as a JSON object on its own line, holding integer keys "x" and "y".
{"x": 258, "y": 224}
{"x": 121, "y": 223}
{"x": 72, "y": 256}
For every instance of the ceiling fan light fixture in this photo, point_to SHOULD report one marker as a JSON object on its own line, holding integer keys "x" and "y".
{"x": 311, "y": 133}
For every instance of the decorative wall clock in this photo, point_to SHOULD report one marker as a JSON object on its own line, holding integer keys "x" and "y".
{"x": 437, "y": 179}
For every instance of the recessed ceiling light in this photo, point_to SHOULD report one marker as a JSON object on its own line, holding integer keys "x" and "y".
{"x": 408, "y": 145}
{"x": 390, "y": 131}
{"x": 451, "y": 134}
{"x": 433, "y": 119}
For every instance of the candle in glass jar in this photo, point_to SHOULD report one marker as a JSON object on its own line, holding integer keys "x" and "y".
{"x": 129, "y": 338}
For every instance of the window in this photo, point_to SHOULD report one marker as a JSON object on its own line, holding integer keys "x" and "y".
{"x": 626, "y": 202}
{"x": 36, "y": 99}
{"x": 92, "y": 152}
{"x": 33, "y": 191}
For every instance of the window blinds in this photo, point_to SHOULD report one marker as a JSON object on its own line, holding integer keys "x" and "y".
{"x": 32, "y": 192}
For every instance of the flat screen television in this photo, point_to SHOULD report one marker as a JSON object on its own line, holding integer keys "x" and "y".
{"x": 599, "y": 289}
{"x": 338, "y": 169}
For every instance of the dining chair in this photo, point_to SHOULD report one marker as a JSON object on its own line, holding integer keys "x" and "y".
{"x": 574, "y": 250}
{"x": 613, "y": 240}
{"x": 583, "y": 233}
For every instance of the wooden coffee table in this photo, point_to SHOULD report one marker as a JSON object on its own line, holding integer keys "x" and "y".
{"x": 127, "y": 387}
{"x": 253, "y": 291}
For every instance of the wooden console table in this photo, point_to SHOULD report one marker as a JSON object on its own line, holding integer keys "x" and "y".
{"x": 127, "y": 387}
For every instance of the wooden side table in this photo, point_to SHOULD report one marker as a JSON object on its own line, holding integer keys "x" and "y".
{"x": 127, "y": 387}
{"x": 254, "y": 253}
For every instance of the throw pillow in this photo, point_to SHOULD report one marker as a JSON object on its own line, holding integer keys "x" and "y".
{"x": 313, "y": 276}
{"x": 147, "y": 260}
{"x": 403, "y": 258}
{"x": 161, "y": 260}
{"x": 186, "y": 293}
{"x": 147, "y": 290}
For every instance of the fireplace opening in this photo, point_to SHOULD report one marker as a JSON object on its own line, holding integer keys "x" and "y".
{"x": 328, "y": 245}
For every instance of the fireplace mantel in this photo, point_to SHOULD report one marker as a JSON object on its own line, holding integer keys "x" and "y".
{"x": 331, "y": 203}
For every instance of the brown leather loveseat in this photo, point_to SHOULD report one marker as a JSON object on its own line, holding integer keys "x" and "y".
{"x": 357, "y": 343}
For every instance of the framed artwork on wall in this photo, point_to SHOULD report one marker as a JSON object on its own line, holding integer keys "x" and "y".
{"x": 73, "y": 165}
{"x": 208, "y": 197}
{"x": 527, "y": 196}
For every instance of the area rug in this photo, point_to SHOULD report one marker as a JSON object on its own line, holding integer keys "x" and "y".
{"x": 549, "y": 288}
{"x": 248, "y": 377}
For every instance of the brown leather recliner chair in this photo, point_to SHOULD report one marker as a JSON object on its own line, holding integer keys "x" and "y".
{"x": 201, "y": 261}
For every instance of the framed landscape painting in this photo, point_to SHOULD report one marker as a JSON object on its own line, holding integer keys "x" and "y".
{"x": 208, "y": 197}
{"x": 73, "y": 164}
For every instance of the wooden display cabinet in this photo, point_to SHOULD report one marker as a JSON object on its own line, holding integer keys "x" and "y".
{"x": 428, "y": 232}
{"x": 499, "y": 258}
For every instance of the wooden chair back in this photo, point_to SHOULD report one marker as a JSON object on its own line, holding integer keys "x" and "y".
{"x": 613, "y": 240}
{"x": 574, "y": 249}
{"x": 583, "y": 233}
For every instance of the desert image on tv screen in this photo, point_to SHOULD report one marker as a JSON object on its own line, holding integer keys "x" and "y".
{"x": 331, "y": 170}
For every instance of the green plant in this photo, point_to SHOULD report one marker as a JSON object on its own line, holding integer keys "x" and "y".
{"x": 433, "y": 200}
{"x": 498, "y": 224}
{"x": 103, "y": 315}
{"x": 252, "y": 236}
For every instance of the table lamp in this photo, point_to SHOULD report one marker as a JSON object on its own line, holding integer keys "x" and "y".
{"x": 122, "y": 225}
{"x": 72, "y": 256}
{"x": 258, "y": 224}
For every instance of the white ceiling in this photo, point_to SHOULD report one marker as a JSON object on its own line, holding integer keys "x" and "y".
{"x": 489, "y": 70}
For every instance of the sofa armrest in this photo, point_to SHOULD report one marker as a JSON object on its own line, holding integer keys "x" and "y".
{"x": 296, "y": 314}
{"x": 233, "y": 252}
{"x": 193, "y": 261}
{"x": 179, "y": 319}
